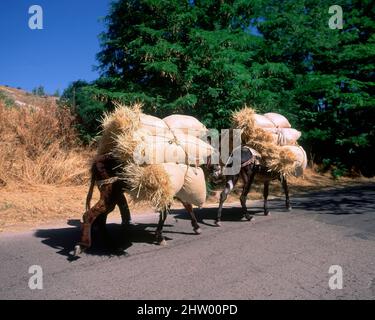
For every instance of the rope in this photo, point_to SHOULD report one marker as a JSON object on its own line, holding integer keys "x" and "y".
{"x": 101, "y": 183}
{"x": 177, "y": 142}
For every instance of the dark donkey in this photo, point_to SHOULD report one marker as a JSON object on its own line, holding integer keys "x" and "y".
{"x": 105, "y": 172}
{"x": 250, "y": 168}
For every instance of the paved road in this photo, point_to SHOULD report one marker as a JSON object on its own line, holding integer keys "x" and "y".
{"x": 284, "y": 256}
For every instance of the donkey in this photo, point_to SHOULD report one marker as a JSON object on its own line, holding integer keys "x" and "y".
{"x": 250, "y": 168}
{"x": 105, "y": 172}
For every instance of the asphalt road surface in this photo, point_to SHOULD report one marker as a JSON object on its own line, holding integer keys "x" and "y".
{"x": 283, "y": 256}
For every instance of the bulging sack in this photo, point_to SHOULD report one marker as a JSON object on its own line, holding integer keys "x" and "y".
{"x": 262, "y": 121}
{"x": 153, "y": 124}
{"x": 185, "y": 124}
{"x": 156, "y": 149}
{"x": 284, "y": 136}
{"x": 182, "y": 148}
{"x": 194, "y": 188}
{"x": 176, "y": 174}
{"x": 278, "y": 120}
{"x": 301, "y": 159}
{"x": 197, "y": 150}
{"x": 288, "y": 136}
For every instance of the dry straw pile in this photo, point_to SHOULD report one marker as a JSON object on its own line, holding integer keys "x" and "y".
{"x": 263, "y": 134}
{"x": 130, "y": 135}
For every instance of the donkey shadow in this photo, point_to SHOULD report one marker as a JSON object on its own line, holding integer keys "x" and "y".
{"x": 120, "y": 238}
{"x": 206, "y": 215}
{"x": 64, "y": 239}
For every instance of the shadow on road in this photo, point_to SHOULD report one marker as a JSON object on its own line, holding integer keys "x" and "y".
{"x": 210, "y": 214}
{"x": 341, "y": 201}
{"x": 120, "y": 238}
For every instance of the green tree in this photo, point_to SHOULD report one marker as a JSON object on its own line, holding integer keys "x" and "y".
{"x": 89, "y": 110}
{"x": 334, "y": 77}
{"x": 190, "y": 57}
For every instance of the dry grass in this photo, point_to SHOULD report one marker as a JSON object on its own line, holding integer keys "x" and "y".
{"x": 35, "y": 206}
{"x": 118, "y": 128}
{"x": 39, "y": 146}
{"x": 150, "y": 184}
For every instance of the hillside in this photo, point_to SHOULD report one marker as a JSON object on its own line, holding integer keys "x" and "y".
{"x": 39, "y": 144}
{"x": 22, "y": 98}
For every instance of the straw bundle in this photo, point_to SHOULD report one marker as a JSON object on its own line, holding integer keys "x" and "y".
{"x": 273, "y": 156}
{"x": 150, "y": 152}
{"x": 122, "y": 122}
{"x": 149, "y": 183}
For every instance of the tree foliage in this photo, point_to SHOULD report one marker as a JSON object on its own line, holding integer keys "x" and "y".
{"x": 333, "y": 76}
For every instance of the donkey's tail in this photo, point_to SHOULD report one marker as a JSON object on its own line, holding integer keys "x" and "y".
{"x": 91, "y": 188}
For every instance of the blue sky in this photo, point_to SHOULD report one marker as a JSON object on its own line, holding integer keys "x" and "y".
{"x": 62, "y": 52}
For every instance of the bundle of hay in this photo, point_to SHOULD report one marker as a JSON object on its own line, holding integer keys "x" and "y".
{"x": 157, "y": 155}
{"x": 272, "y": 136}
{"x": 122, "y": 121}
{"x": 128, "y": 133}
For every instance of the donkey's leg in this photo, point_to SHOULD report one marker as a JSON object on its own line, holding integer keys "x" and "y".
{"x": 231, "y": 182}
{"x": 265, "y": 196}
{"x": 105, "y": 205}
{"x": 124, "y": 209}
{"x": 101, "y": 223}
{"x": 286, "y": 191}
{"x": 246, "y": 189}
{"x": 159, "y": 231}
{"x": 194, "y": 222}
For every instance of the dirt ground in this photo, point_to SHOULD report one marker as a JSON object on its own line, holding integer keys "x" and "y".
{"x": 27, "y": 207}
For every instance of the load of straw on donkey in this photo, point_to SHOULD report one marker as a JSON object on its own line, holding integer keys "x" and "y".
{"x": 150, "y": 159}
{"x": 159, "y": 160}
{"x": 268, "y": 151}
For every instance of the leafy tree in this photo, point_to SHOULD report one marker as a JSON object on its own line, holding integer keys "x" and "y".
{"x": 190, "y": 57}
{"x": 89, "y": 110}
{"x": 333, "y": 76}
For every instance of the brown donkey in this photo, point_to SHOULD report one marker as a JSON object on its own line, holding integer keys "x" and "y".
{"x": 105, "y": 173}
{"x": 250, "y": 168}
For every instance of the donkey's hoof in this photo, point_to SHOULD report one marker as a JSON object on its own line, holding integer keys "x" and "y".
{"x": 120, "y": 252}
{"x": 198, "y": 231}
{"x": 78, "y": 249}
{"x": 126, "y": 225}
{"x": 218, "y": 223}
{"x": 267, "y": 213}
{"x": 289, "y": 209}
{"x": 162, "y": 243}
{"x": 249, "y": 217}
